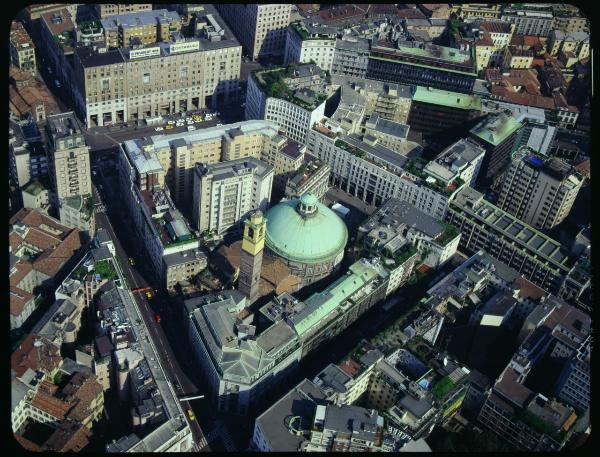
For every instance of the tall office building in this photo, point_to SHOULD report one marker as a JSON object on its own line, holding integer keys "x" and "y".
{"x": 69, "y": 157}
{"x": 427, "y": 65}
{"x": 225, "y": 192}
{"x": 261, "y": 28}
{"x": 540, "y": 191}
{"x": 434, "y": 111}
{"x": 253, "y": 243}
{"x": 496, "y": 133}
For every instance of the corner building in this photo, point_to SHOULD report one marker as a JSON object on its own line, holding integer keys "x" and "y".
{"x": 127, "y": 84}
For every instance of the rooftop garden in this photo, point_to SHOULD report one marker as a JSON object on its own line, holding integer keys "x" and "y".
{"x": 442, "y": 388}
{"x": 349, "y": 148}
{"x": 273, "y": 85}
{"x": 65, "y": 39}
{"x": 450, "y": 232}
{"x": 538, "y": 424}
{"x": 402, "y": 254}
{"x": 415, "y": 165}
{"x": 106, "y": 270}
{"x": 304, "y": 34}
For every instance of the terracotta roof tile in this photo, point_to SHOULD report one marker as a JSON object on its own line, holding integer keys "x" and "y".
{"x": 18, "y": 299}
{"x": 46, "y": 357}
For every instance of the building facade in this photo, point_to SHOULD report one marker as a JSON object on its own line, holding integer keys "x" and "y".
{"x": 305, "y": 43}
{"x": 22, "y": 49}
{"x": 261, "y": 28}
{"x": 127, "y": 84}
{"x": 540, "y": 259}
{"x": 434, "y": 66}
{"x": 225, "y": 193}
{"x": 496, "y": 133}
{"x": 312, "y": 177}
{"x": 434, "y": 111}
{"x": 351, "y": 57}
{"x": 69, "y": 157}
{"x": 375, "y": 173}
{"x": 539, "y": 191}
{"x": 110, "y": 9}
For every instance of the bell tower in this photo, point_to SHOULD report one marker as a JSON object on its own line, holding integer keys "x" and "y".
{"x": 253, "y": 242}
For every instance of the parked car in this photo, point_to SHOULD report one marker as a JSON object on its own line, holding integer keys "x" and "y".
{"x": 169, "y": 122}
{"x": 159, "y": 129}
{"x": 57, "y": 83}
{"x": 157, "y": 318}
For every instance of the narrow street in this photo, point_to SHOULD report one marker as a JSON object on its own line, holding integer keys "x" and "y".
{"x": 184, "y": 386}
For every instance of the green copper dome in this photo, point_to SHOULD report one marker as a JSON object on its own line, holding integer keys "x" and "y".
{"x": 305, "y": 230}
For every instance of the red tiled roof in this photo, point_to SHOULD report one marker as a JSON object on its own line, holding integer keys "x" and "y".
{"x": 350, "y": 367}
{"x": 46, "y": 357}
{"x": 530, "y": 290}
{"x": 409, "y": 13}
{"x": 584, "y": 168}
{"x": 423, "y": 268}
{"x": 18, "y": 299}
{"x": 510, "y": 96}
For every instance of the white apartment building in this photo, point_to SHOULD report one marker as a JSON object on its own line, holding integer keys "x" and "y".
{"x": 294, "y": 118}
{"x": 226, "y": 192}
{"x": 460, "y": 160}
{"x": 305, "y": 42}
{"x": 375, "y": 173}
{"x": 261, "y": 28}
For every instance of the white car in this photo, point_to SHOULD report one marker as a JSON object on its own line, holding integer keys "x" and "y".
{"x": 190, "y": 122}
{"x": 219, "y": 125}
{"x": 158, "y": 129}
{"x": 57, "y": 83}
{"x": 170, "y": 122}
{"x": 190, "y": 128}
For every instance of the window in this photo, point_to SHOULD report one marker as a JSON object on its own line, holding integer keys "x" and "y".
{"x": 146, "y": 78}
{"x": 105, "y": 85}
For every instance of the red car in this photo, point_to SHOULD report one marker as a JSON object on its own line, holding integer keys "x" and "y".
{"x": 157, "y": 318}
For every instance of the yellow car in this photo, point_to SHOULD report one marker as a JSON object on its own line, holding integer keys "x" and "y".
{"x": 148, "y": 295}
{"x": 197, "y": 118}
{"x": 168, "y": 127}
{"x": 191, "y": 414}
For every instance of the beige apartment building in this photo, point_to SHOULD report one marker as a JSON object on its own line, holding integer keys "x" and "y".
{"x": 226, "y": 192}
{"x": 539, "y": 191}
{"x": 179, "y": 153}
{"x": 69, "y": 157}
{"x": 22, "y": 49}
{"x": 109, "y": 9}
{"x": 128, "y": 84}
{"x": 143, "y": 27}
{"x": 261, "y": 28}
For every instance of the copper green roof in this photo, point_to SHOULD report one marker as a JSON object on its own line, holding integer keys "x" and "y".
{"x": 322, "y": 304}
{"x": 310, "y": 238}
{"x": 446, "y": 98}
{"x": 494, "y": 129}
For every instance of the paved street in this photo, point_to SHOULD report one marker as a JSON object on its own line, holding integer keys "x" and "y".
{"x": 136, "y": 280}
{"x": 105, "y": 137}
